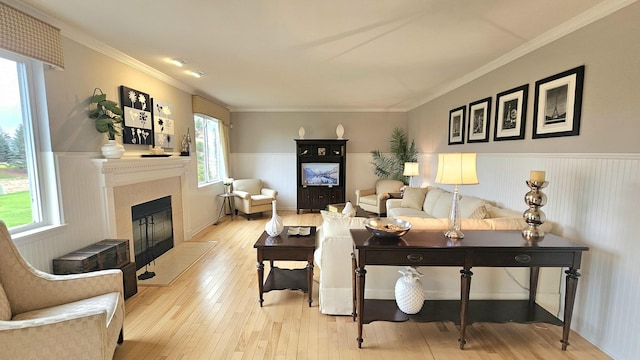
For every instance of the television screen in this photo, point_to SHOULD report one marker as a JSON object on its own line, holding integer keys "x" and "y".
{"x": 320, "y": 174}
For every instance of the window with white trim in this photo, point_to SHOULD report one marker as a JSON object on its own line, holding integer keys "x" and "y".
{"x": 28, "y": 195}
{"x": 208, "y": 149}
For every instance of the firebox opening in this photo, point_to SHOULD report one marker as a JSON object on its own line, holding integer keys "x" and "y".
{"x": 152, "y": 230}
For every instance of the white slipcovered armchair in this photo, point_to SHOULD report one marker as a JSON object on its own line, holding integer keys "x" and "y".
{"x": 252, "y": 197}
{"x": 44, "y": 316}
{"x": 375, "y": 199}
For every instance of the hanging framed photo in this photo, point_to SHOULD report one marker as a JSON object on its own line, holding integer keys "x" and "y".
{"x": 479, "y": 119}
{"x": 163, "y": 130}
{"x": 138, "y": 121}
{"x": 511, "y": 110}
{"x": 558, "y": 104}
{"x": 456, "y": 125}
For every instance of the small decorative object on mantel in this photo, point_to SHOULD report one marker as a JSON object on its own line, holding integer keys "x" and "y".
{"x": 535, "y": 198}
{"x": 274, "y": 226}
{"x": 185, "y": 148}
{"x": 340, "y": 131}
{"x": 108, "y": 117}
{"x": 301, "y": 133}
{"x": 409, "y": 291}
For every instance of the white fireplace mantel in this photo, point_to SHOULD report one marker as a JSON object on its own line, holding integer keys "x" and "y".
{"x": 139, "y": 170}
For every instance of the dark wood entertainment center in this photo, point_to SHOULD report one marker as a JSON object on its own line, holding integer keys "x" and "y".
{"x": 326, "y": 155}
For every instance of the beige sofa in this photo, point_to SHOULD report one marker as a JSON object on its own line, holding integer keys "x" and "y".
{"x": 334, "y": 247}
{"x": 44, "y": 316}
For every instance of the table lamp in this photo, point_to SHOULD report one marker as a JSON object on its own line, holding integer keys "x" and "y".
{"x": 456, "y": 169}
{"x": 411, "y": 170}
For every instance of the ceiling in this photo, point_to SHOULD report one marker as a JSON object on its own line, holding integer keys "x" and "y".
{"x": 331, "y": 55}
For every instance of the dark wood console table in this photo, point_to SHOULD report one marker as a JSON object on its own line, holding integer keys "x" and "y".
{"x": 478, "y": 248}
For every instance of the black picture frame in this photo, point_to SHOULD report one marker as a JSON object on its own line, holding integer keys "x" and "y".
{"x": 511, "y": 114}
{"x": 479, "y": 121}
{"x": 456, "y": 125}
{"x": 137, "y": 108}
{"x": 558, "y": 104}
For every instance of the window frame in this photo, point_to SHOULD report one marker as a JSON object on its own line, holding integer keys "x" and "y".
{"x": 39, "y": 157}
{"x": 205, "y": 152}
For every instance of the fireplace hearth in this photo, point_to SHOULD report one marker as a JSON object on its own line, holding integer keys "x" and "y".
{"x": 152, "y": 227}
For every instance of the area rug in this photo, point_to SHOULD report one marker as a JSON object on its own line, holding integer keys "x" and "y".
{"x": 170, "y": 265}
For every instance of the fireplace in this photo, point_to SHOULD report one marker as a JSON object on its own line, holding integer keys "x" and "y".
{"x": 152, "y": 227}
{"x": 128, "y": 182}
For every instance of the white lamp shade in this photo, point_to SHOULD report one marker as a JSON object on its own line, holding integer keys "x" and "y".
{"x": 457, "y": 169}
{"x": 411, "y": 169}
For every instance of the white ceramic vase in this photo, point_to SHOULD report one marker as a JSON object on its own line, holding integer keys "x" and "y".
{"x": 409, "y": 291}
{"x": 274, "y": 226}
{"x": 301, "y": 132}
{"x": 340, "y": 131}
{"x": 112, "y": 150}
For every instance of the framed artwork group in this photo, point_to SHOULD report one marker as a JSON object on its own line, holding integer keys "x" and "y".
{"x": 557, "y": 110}
{"x": 147, "y": 121}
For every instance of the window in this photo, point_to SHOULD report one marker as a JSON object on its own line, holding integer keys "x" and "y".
{"x": 208, "y": 149}
{"x": 27, "y": 200}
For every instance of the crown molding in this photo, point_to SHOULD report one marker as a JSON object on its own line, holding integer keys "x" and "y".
{"x": 81, "y": 37}
{"x": 595, "y": 13}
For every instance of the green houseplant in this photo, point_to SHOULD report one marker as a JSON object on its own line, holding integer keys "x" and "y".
{"x": 108, "y": 119}
{"x": 402, "y": 151}
{"x": 106, "y": 114}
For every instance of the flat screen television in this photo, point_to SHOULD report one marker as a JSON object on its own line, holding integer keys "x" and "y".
{"x": 320, "y": 174}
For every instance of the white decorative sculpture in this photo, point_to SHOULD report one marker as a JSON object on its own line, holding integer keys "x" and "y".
{"x": 274, "y": 226}
{"x": 409, "y": 292}
{"x": 340, "y": 131}
{"x": 301, "y": 132}
{"x": 349, "y": 209}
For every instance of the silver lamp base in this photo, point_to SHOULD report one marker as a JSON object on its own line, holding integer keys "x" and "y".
{"x": 454, "y": 231}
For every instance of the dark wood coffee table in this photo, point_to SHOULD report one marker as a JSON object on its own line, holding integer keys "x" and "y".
{"x": 285, "y": 247}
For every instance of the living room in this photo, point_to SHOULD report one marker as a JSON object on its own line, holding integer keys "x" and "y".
{"x": 593, "y": 176}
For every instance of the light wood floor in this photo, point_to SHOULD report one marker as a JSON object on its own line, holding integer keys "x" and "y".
{"x": 212, "y": 312}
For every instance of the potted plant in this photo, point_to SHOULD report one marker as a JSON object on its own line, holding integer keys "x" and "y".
{"x": 402, "y": 151}
{"x": 108, "y": 117}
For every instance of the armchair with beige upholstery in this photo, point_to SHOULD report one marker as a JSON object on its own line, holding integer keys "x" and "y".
{"x": 252, "y": 197}
{"x": 44, "y": 316}
{"x": 375, "y": 200}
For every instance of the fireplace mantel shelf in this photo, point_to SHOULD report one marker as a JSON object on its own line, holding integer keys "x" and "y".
{"x": 132, "y": 170}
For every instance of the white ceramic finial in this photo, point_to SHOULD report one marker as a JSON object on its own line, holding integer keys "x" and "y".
{"x": 301, "y": 132}
{"x": 340, "y": 131}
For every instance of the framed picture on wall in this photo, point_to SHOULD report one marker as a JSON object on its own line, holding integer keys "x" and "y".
{"x": 558, "y": 104}
{"x": 511, "y": 110}
{"x": 479, "y": 119}
{"x": 137, "y": 115}
{"x": 456, "y": 125}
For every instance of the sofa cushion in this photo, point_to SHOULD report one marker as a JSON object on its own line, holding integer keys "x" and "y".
{"x": 433, "y": 193}
{"x": 496, "y": 212}
{"x": 369, "y": 199}
{"x": 5, "y": 307}
{"x": 402, "y": 211}
{"x": 442, "y": 206}
{"x": 443, "y": 224}
{"x": 469, "y": 205}
{"x": 260, "y": 200}
{"x": 106, "y": 302}
{"x": 413, "y": 197}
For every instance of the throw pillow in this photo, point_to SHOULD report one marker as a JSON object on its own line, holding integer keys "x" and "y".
{"x": 338, "y": 224}
{"x": 479, "y": 213}
{"x": 413, "y": 197}
{"x": 469, "y": 205}
{"x": 5, "y": 307}
{"x": 496, "y": 212}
